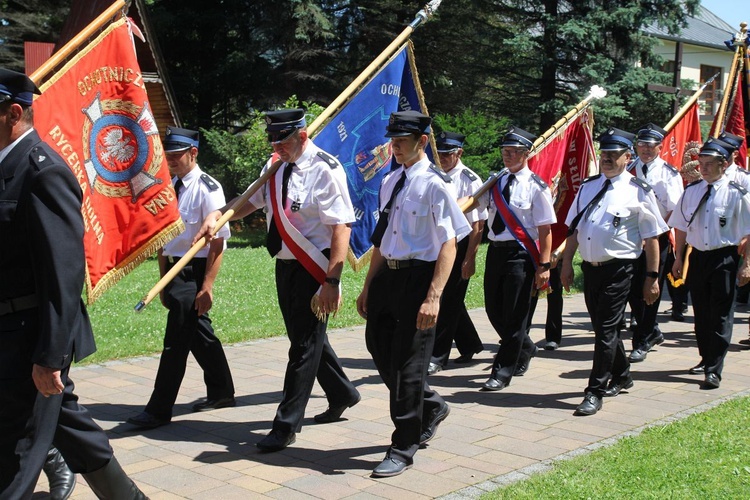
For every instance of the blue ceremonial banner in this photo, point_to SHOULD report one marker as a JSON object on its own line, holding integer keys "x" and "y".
{"x": 356, "y": 136}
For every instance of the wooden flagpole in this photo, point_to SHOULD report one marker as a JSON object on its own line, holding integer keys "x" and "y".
{"x": 741, "y": 41}
{"x": 596, "y": 92}
{"x": 78, "y": 40}
{"x": 421, "y": 17}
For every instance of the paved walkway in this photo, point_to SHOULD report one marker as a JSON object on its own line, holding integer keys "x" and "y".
{"x": 487, "y": 438}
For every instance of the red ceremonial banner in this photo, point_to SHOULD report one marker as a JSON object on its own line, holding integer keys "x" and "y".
{"x": 95, "y": 114}
{"x": 563, "y": 163}
{"x": 736, "y": 120}
{"x": 681, "y": 145}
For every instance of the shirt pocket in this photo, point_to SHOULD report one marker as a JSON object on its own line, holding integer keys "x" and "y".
{"x": 416, "y": 217}
{"x": 192, "y": 214}
{"x": 724, "y": 217}
{"x": 8, "y": 210}
{"x": 618, "y": 218}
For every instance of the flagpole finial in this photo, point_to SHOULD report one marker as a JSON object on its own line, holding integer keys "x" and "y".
{"x": 424, "y": 14}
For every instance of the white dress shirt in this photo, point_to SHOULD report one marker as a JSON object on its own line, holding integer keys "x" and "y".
{"x": 664, "y": 179}
{"x": 530, "y": 200}
{"x": 723, "y": 220}
{"x": 423, "y": 216}
{"x": 196, "y": 201}
{"x": 318, "y": 197}
{"x": 465, "y": 182}
{"x": 615, "y": 227}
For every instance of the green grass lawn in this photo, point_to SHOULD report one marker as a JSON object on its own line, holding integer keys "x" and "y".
{"x": 706, "y": 455}
{"x": 245, "y": 304}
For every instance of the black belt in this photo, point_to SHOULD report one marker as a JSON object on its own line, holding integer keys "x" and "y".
{"x": 731, "y": 249}
{"x": 173, "y": 260}
{"x": 609, "y": 262}
{"x": 506, "y": 244}
{"x": 9, "y": 306}
{"x": 403, "y": 264}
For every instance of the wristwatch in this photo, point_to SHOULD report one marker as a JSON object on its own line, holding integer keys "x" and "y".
{"x": 652, "y": 274}
{"x": 545, "y": 265}
{"x": 332, "y": 281}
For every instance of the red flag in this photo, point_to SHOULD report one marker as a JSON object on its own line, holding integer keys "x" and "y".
{"x": 737, "y": 116}
{"x": 681, "y": 145}
{"x": 563, "y": 163}
{"x": 95, "y": 114}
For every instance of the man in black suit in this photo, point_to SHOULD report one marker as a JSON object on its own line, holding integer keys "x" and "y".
{"x": 43, "y": 321}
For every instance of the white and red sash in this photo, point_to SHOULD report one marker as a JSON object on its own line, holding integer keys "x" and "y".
{"x": 304, "y": 251}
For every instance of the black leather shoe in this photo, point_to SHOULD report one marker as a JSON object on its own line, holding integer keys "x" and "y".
{"x": 657, "y": 341}
{"x": 62, "y": 481}
{"x": 615, "y": 387}
{"x": 276, "y": 441}
{"x": 145, "y": 420}
{"x": 523, "y": 367}
{"x": 637, "y": 355}
{"x": 698, "y": 369}
{"x": 333, "y": 413}
{"x": 433, "y": 368}
{"x": 678, "y": 316}
{"x": 744, "y": 341}
{"x": 214, "y": 404}
{"x": 551, "y": 346}
{"x": 590, "y": 405}
{"x": 428, "y": 431}
{"x": 494, "y": 384}
{"x": 712, "y": 381}
{"x": 390, "y": 467}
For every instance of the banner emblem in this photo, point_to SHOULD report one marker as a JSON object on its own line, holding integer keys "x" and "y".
{"x": 119, "y": 144}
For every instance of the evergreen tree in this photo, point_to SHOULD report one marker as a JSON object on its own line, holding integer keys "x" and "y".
{"x": 28, "y": 21}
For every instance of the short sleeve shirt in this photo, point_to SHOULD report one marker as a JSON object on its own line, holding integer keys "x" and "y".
{"x": 723, "y": 220}
{"x": 317, "y": 198}
{"x": 530, "y": 200}
{"x": 424, "y": 214}
{"x": 615, "y": 227}
{"x": 200, "y": 195}
{"x": 464, "y": 182}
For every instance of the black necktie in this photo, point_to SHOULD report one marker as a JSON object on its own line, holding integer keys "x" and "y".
{"x": 594, "y": 201}
{"x": 702, "y": 202}
{"x": 273, "y": 241}
{"x": 644, "y": 169}
{"x": 498, "y": 226}
{"x": 178, "y": 187}
{"x": 380, "y": 227}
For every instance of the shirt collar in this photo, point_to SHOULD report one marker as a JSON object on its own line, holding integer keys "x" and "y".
{"x": 418, "y": 168}
{"x": 190, "y": 176}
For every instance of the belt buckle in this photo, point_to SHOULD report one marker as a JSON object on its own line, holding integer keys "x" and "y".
{"x": 393, "y": 264}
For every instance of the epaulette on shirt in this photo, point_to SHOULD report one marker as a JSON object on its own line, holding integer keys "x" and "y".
{"x": 672, "y": 168}
{"x": 539, "y": 180}
{"x": 593, "y": 177}
{"x": 469, "y": 174}
{"x": 330, "y": 160}
{"x": 40, "y": 156}
{"x": 640, "y": 182}
{"x": 443, "y": 175}
{"x": 208, "y": 181}
{"x": 739, "y": 188}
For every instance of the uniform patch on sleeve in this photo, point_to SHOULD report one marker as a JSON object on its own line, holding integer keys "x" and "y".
{"x": 641, "y": 183}
{"x": 330, "y": 160}
{"x": 469, "y": 174}
{"x": 208, "y": 181}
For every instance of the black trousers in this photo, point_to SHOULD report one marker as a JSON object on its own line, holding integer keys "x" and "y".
{"x": 606, "y": 289}
{"x": 508, "y": 283}
{"x": 30, "y": 424}
{"x": 648, "y": 328}
{"x": 712, "y": 284}
{"x": 454, "y": 321}
{"x": 553, "y": 323}
{"x": 310, "y": 353}
{"x": 186, "y": 333}
{"x": 401, "y": 352}
{"x": 679, "y": 295}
